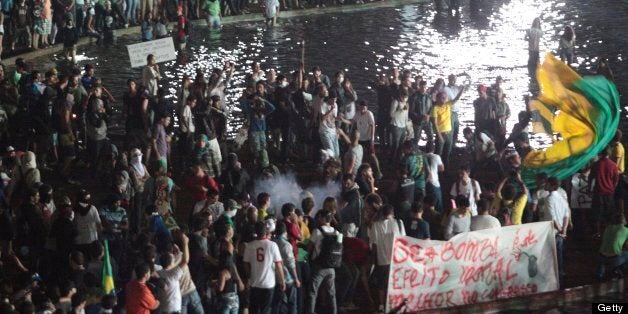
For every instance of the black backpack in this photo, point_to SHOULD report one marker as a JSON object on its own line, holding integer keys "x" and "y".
{"x": 331, "y": 251}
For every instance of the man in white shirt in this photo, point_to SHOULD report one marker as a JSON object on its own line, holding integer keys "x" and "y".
{"x": 557, "y": 211}
{"x": 151, "y": 76}
{"x": 432, "y": 186}
{"x": 381, "y": 236}
{"x": 171, "y": 275}
{"x": 263, "y": 261}
{"x": 327, "y": 127}
{"x": 188, "y": 128}
{"x": 452, "y": 91}
{"x": 320, "y": 272}
{"x": 399, "y": 122}
{"x": 364, "y": 121}
{"x": 484, "y": 220}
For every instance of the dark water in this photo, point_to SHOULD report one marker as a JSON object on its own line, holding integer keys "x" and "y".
{"x": 485, "y": 40}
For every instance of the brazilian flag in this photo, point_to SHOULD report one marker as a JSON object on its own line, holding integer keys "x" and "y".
{"x": 107, "y": 274}
{"x": 583, "y": 111}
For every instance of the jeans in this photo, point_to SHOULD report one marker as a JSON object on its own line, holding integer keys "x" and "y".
{"x": 455, "y": 127}
{"x": 346, "y": 281}
{"x": 438, "y": 195}
{"x": 131, "y": 11}
{"x": 303, "y": 271}
{"x": 320, "y": 276}
{"x": 616, "y": 262}
{"x": 330, "y": 142}
{"x": 443, "y": 148}
{"x": 560, "y": 251}
{"x": 398, "y": 134}
{"x": 228, "y": 303}
{"x": 261, "y": 300}
{"x": 285, "y": 302}
{"x": 424, "y": 126}
{"x": 191, "y": 303}
{"x": 258, "y": 141}
{"x": 80, "y": 17}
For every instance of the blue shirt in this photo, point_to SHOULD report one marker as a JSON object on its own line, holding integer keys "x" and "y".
{"x": 257, "y": 120}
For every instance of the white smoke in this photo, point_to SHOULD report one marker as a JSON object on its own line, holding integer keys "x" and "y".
{"x": 285, "y": 189}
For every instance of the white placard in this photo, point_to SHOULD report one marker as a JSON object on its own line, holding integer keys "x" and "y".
{"x": 472, "y": 267}
{"x": 162, "y": 49}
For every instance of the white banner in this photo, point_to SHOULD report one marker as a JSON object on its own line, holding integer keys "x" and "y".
{"x": 162, "y": 49}
{"x": 472, "y": 267}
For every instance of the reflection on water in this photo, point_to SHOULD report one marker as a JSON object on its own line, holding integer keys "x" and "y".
{"x": 485, "y": 40}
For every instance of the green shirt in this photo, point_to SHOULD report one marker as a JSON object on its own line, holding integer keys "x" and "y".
{"x": 213, "y": 7}
{"x": 613, "y": 240}
{"x": 415, "y": 165}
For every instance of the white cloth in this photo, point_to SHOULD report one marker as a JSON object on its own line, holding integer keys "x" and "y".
{"x": 216, "y": 209}
{"x": 481, "y": 222}
{"x": 382, "y": 234}
{"x": 356, "y": 153}
{"x": 471, "y": 191}
{"x": 540, "y": 199}
{"x": 262, "y": 256}
{"x": 317, "y": 238}
{"x": 399, "y": 116}
{"x": 486, "y": 148}
{"x": 87, "y": 226}
{"x": 433, "y": 161}
{"x": 365, "y": 122}
{"x": 170, "y": 300}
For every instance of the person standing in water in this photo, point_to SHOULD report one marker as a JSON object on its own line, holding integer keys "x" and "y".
{"x": 533, "y": 36}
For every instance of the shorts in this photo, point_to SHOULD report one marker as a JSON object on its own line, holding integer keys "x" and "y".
{"x": 368, "y": 147}
{"x": 213, "y": 21}
{"x": 380, "y": 276}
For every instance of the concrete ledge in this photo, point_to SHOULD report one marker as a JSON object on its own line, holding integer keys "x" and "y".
{"x": 255, "y": 17}
{"x": 543, "y": 301}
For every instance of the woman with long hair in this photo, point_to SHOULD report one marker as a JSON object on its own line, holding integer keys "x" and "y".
{"x": 566, "y": 45}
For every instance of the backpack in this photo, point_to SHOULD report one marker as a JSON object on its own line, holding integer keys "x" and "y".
{"x": 331, "y": 251}
{"x": 505, "y": 214}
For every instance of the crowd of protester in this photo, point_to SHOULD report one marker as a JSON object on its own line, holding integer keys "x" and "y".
{"x": 175, "y": 204}
{"x": 38, "y": 24}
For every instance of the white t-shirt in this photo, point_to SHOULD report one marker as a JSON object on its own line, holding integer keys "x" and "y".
{"x": 539, "y": 198}
{"x": 262, "y": 255}
{"x": 187, "y": 124}
{"x": 452, "y": 92}
{"x": 481, "y": 222}
{"x": 534, "y": 37}
{"x": 87, "y": 226}
{"x": 471, "y": 191}
{"x": 364, "y": 122}
{"x": 382, "y": 233}
{"x": 357, "y": 154}
{"x": 399, "y": 116}
{"x": 170, "y": 300}
{"x": 271, "y": 8}
{"x": 486, "y": 148}
{"x": 557, "y": 208}
{"x": 317, "y": 238}
{"x": 433, "y": 161}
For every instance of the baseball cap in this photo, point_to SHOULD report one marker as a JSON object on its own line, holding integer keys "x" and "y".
{"x": 10, "y": 149}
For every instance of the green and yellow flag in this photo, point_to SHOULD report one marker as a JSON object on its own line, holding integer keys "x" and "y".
{"x": 107, "y": 274}
{"x": 583, "y": 111}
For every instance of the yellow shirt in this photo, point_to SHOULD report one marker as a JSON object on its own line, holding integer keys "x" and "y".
{"x": 517, "y": 208}
{"x": 618, "y": 153}
{"x": 261, "y": 214}
{"x": 442, "y": 117}
{"x": 305, "y": 231}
